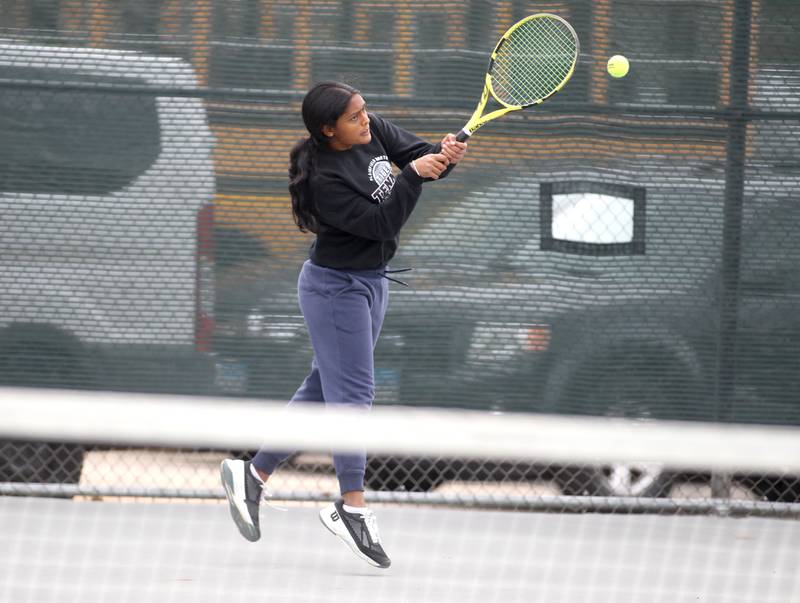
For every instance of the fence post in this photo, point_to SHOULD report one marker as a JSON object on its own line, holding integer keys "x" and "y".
{"x": 732, "y": 224}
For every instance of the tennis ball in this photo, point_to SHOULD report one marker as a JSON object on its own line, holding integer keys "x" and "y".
{"x": 618, "y": 66}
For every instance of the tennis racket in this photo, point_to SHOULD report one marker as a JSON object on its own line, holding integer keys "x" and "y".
{"x": 532, "y": 61}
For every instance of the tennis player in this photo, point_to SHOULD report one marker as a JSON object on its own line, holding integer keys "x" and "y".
{"x": 344, "y": 190}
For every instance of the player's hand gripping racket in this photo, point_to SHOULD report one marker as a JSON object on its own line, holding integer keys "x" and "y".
{"x": 532, "y": 61}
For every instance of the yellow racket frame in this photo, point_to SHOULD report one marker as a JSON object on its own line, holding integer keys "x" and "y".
{"x": 477, "y": 120}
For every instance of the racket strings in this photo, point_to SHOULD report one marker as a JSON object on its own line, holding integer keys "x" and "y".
{"x": 538, "y": 57}
{"x": 533, "y": 61}
{"x": 536, "y": 61}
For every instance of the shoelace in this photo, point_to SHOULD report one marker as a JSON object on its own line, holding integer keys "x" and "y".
{"x": 385, "y": 274}
{"x": 372, "y": 527}
{"x": 266, "y": 497}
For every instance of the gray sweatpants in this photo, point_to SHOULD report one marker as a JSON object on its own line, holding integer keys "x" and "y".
{"x": 344, "y": 313}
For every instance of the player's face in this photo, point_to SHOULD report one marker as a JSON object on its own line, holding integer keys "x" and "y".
{"x": 352, "y": 127}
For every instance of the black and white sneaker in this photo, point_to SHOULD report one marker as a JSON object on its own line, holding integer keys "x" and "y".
{"x": 244, "y": 494}
{"x": 358, "y": 530}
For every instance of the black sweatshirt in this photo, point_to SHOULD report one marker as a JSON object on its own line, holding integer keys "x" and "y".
{"x": 360, "y": 203}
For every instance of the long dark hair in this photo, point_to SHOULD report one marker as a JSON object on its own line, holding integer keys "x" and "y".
{"x": 323, "y": 104}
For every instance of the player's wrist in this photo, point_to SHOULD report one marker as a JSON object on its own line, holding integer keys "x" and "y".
{"x": 412, "y": 175}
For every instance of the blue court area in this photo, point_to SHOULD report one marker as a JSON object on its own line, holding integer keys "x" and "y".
{"x": 161, "y": 552}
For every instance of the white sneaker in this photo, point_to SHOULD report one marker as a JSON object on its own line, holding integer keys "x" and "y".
{"x": 358, "y": 530}
{"x": 244, "y": 494}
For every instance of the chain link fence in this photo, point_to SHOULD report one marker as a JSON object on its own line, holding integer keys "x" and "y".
{"x": 627, "y": 249}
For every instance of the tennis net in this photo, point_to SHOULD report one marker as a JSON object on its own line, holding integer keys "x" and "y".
{"x": 493, "y": 523}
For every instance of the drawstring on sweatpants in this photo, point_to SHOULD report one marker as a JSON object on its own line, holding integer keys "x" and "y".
{"x": 385, "y": 274}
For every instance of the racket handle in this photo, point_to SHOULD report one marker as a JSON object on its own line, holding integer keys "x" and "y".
{"x": 462, "y": 136}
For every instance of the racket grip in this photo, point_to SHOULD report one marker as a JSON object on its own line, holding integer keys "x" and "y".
{"x": 462, "y": 136}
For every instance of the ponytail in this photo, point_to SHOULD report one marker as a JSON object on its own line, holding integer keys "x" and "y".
{"x": 303, "y": 163}
{"x": 322, "y": 106}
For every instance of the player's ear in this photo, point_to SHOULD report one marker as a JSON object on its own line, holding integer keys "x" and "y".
{"x": 328, "y": 131}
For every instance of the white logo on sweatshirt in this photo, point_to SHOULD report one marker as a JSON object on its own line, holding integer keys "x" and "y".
{"x": 380, "y": 172}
